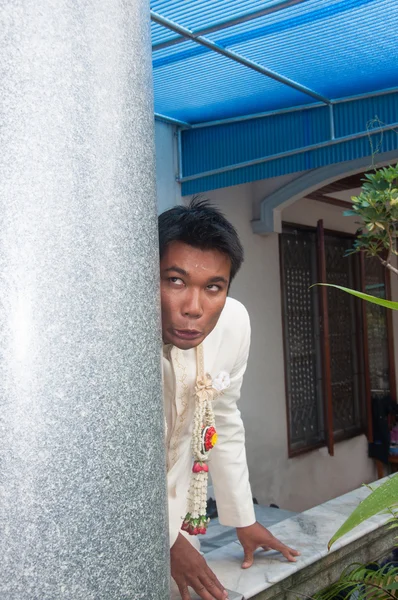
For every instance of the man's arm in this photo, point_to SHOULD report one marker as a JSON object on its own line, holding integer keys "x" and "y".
{"x": 228, "y": 466}
{"x": 227, "y": 463}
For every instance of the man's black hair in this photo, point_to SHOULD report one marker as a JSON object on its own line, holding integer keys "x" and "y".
{"x": 201, "y": 225}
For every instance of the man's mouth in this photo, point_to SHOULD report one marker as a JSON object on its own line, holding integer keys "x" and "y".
{"x": 187, "y": 334}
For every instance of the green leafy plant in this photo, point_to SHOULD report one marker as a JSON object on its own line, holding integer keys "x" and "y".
{"x": 363, "y": 583}
{"x": 377, "y": 207}
{"x": 367, "y": 582}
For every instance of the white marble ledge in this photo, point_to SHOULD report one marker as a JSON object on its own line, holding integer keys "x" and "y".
{"x": 309, "y": 532}
{"x": 175, "y": 595}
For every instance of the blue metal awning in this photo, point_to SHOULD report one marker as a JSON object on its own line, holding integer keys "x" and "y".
{"x": 266, "y": 88}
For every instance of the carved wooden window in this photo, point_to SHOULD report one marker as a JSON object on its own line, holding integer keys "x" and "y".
{"x": 344, "y": 320}
{"x": 323, "y": 335}
{"x": 302, "y": 339}
{"x": 379, "y": 372}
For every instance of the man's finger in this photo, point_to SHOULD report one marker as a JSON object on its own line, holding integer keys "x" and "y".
{"x": 202, "y": 590}
{"x": 213, "y": 587}
{"x": 184, "y": 592}
{"x": 212, "y": 576}
{"x": 283, "y": 549}
{"x": 247, "y": 559}
{"x": 289, "y": 553}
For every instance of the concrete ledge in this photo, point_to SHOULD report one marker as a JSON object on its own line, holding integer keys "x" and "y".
{"x": 272, "y": 577}
{"x": 319, "y": 575}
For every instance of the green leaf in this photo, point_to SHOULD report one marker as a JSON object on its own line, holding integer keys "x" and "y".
{"x": 380, "y": 301}
{"x": 362, "y": 582}
{"x": 391, "y": 586}
{"x": 350, "y": 213}
{"x": 381, "y": 498}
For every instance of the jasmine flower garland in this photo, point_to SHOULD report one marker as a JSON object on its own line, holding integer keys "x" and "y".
{"x": 204, "y": 438}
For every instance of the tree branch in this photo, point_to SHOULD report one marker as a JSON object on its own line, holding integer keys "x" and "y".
{"x": 390, "y": 267}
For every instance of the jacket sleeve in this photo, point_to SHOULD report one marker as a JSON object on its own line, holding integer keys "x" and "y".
{"x": 227, "y": 464}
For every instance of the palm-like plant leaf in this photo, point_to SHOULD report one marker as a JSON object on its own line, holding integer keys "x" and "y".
{"x": 363, "y": 583}
{"x": 386, "y": 303}
{"x": 381, "y": 499}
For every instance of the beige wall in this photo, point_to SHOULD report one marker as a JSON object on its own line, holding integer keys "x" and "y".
{"x": 301, "y": 482}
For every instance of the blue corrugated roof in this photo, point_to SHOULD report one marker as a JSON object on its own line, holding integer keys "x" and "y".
{"x": 318, "y": 53}
{"x": 231, "y": 154}
{"x": 336, "y": 47}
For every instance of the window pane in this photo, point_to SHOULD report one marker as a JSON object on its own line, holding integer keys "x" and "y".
{"x": 346, "y": 380}
{"x": 377, "y": 328}
{"x": 301, "y": 338}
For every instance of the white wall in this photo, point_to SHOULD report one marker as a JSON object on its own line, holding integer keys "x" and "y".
{"x": 301, "y": 482}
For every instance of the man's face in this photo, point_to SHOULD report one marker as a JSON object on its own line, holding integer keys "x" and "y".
{"x": 194, "y": 285}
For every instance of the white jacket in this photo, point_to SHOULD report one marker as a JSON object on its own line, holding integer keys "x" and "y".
{"x": 225, "y": 349}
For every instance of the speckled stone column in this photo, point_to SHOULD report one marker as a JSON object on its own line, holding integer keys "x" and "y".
{"x": 82, "y": 474}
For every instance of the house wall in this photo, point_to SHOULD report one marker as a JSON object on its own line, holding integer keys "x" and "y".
{"x": 312, "y": 478}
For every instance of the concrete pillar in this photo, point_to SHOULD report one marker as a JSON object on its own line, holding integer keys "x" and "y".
{"x": 82, "y": 473}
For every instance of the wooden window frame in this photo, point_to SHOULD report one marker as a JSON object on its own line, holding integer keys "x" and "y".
{"x": 362, "y": 344}
{"x": 324, "y": 325}
{"x": 390, "y": 340}
{"x": 368, "y": 399}
{"x": 291, "y": 451}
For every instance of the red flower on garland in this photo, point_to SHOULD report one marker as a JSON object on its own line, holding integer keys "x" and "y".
{"x": 195, "y": 526}
{"x": 210, "y": 438}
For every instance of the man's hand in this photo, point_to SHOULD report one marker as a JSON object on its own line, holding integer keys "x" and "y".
{"x": 256, "y": 536}
{"x": 189, "y": 568}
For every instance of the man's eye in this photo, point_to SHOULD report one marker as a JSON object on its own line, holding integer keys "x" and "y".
{"x": 176, "y": 280}
{"x": 213, "y": 287}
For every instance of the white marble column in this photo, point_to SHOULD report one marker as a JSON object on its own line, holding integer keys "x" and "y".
{"x": 82, "y": 476}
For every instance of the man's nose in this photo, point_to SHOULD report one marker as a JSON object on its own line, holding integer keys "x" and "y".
{"x": 192, "y": 306}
